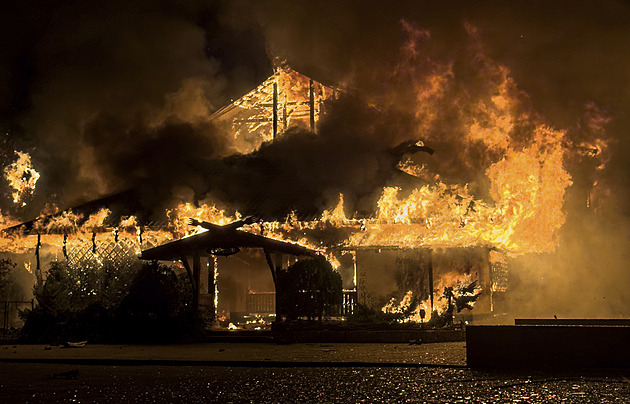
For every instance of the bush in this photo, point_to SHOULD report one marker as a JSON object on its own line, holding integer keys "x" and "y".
{"x": 309, "y": 288}
{"x": 158, "y": 307}
{"x": 367, "y": 315}
{"x": 6, "y": 266}
{"x": 130, "y": 302}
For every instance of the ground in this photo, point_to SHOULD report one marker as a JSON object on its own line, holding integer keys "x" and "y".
{"x": 265, "y": 372}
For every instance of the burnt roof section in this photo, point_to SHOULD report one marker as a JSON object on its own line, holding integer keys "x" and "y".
{"x": 221, "y": 238}
{"x": 286, "y": 99}
{"x": 121, "y": 205}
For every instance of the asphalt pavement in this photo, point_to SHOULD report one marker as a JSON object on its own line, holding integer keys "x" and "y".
{"x": 270, "y": 373}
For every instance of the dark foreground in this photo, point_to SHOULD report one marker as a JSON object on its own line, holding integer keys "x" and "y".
{"x": 268, "y": 373}
{"x": 36, "y": 383}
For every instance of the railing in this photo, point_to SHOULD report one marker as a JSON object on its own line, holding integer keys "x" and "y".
{"x": 265, "y": 302}
{"x": 348, "y": 302}
{"x": 261, "y": 302}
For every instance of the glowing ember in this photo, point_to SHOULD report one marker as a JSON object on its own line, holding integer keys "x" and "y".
{"x": 22, "y": 177}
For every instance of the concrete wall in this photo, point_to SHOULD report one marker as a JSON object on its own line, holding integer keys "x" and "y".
{"x": 552, "y": 346}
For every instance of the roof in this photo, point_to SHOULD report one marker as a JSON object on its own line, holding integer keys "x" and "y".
{"x": 221, "y": 239}
{"x": 119, "y": 205}
{"x": 250, "y": 119}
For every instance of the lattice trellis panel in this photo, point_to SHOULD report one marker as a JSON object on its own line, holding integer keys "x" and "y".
{"x": 106, "y": 251}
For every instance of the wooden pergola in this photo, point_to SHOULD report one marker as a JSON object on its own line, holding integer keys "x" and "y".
{"x": 221, "y": 241}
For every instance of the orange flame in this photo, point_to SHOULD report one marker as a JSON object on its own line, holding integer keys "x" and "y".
{"x": 22, "y": 177}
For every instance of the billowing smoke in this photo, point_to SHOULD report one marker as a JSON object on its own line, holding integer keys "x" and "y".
{"x": 108, "y": 95}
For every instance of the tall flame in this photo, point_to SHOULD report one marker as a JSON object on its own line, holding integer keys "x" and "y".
{"x": 22, "y": 177}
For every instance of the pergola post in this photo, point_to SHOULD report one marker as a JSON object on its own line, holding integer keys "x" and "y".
{"x": 196, "y": 271}
{"x": 274, "y": 276}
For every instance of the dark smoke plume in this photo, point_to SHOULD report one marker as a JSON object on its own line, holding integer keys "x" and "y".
{"x": 101, "y": 93}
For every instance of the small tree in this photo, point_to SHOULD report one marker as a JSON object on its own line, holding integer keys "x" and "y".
{"x": 127, "y": 301}
{"x": 158, "y": 306}
{"x": 309, "y": 288}
{"x": 6, "y": 266}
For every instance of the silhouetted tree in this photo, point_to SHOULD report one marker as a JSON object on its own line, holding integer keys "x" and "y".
{"x": 158, "y": 307}
{"x": 6, "y": 266}
{"x": 127, "y": 301}
{"x": 309, "y": 288}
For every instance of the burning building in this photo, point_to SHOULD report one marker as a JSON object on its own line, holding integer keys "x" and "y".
{"x": 402, "y": 253}
{"x": 349, "y": 176}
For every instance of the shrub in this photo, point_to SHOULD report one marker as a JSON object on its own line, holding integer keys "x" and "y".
{"x": 128, "y": 302}
{"x": 6, "y": 266}
{"x": 309, "y": 288}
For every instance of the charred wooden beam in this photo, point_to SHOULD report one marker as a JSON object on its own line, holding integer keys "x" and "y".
{"x": 275, "y": 109}
{"x": 284, "y": 114}
{"x": 64, "y": 249}
{"x": 271, "y": 267}
{"x": 212, "y": 282}
{"x": 38, "y": 269}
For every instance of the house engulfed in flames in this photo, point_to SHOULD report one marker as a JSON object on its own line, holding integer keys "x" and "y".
{"x": 400, "y": 260}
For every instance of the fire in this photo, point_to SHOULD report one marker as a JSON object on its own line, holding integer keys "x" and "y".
{"x": 521, "y": 163}
{"x": 128, "y": 222}
{"x": 336, "y": 216}
{"x": 290, "y": 92}
{"x": 527, "y": 189}
{"x": 460, "y": 286}
{"x": 22, "y": 177}
{"x": 180, "y": 215}
{"x": 514, "y": 203}
{"x": 98, "y": 219}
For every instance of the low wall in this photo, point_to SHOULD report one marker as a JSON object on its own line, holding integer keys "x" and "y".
{"x": 547, "y": 346}
{"x": 572, "y": 321}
